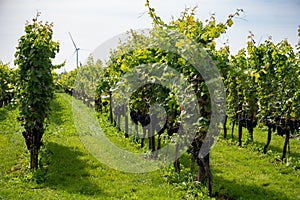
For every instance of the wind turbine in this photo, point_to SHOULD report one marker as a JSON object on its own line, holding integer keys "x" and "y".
{"x": 76, "y": 49}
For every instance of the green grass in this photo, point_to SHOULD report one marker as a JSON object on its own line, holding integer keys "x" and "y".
{"x": 69, "y": 171}
{"x": 245, "y": 174}
{"x": 275, "y": 147}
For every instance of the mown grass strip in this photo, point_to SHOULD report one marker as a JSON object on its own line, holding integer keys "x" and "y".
{"x": 69, "y": 171}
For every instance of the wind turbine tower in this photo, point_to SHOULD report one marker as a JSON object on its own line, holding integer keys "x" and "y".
{"x": 76, "y": 49}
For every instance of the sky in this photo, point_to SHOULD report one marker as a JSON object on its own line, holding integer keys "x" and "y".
{"x": 92, "y": 22}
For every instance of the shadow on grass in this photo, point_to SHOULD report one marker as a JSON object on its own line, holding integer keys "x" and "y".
{"x": 225, "y": 189}
{"x": 63, "y": 168}
{"x": 231, "y": 189}
{"x": 276, "y": 148}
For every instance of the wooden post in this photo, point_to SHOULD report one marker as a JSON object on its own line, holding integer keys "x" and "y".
{"x": 110, "y": 109}
{"x": 126, "y": 121}
{"x": 269, "y": 139}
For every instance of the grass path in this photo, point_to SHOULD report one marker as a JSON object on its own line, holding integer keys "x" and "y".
{"x": 69, "y": 171}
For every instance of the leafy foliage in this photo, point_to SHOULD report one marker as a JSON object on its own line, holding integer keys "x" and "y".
{"x": 263, "y": 84}
{"x": 7, "y": 84}
{"x": 82, "y": 81}
{"x": 34, "y": 56}
{"x": 136, "y": 52}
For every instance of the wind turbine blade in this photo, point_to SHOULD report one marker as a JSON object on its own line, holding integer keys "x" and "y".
{"x": 72, "y": 40}
{"x": 74, "y": 52}
{"x": 71, "y": 56}
{"x": 85, "y": 49}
